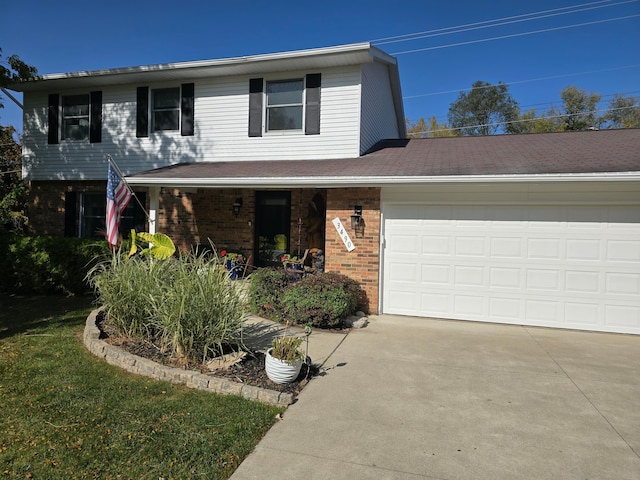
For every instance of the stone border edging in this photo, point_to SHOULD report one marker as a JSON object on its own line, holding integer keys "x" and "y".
{"x": 192, "y": 379}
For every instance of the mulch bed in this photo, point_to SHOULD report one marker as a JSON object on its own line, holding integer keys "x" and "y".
{"x": 250, "y": 370}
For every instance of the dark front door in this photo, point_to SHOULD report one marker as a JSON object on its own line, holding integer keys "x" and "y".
{"x": 273, "y": 219}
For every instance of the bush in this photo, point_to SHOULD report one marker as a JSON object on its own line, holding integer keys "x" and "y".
{"x": 45, "y": 264}
{"x": 323, "y": 300}
{"x": 266, "y": 291}
{"x": 187, "y": 304}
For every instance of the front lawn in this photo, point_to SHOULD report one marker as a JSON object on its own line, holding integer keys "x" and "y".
{"x": 66, "y": 414}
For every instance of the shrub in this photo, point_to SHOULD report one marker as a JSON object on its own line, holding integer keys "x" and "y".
{"x": 323, "y": 300}
{"x": 266, "y": 291}
{"x": 187, "y": 304}
{"x": 46, "y": 264}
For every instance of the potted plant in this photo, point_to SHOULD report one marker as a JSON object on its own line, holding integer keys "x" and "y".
{"x": 234, "y": 263}
{"x": 293, "y": 266}
{"x": 284, "y": 359}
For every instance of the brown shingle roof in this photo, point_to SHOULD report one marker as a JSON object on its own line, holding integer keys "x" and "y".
{"x": 589, "y": 152}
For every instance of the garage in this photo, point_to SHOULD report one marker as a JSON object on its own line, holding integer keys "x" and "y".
{"x": 553, "y": 254}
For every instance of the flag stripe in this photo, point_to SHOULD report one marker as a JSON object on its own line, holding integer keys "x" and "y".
{"x": 118, "y": 196}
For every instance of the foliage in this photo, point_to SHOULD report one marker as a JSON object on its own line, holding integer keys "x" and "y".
{"x": 159, "y": 245}
{"x": 17, "y": 71}
{"x": 266, "y": 290}
{"x": 186, "y": 305}
{"x": 579, "y": 108}
{"x": 45, "y": 265}
{"x": 287, "y": 349}
{"x": 479, "y": 111}
{"x": 323, "y": 300}
{"x": 624, "y": 112}
{"x": 13, "y": 190}
{"x": 420, "y": 129}
{"x": 68, "y": 414}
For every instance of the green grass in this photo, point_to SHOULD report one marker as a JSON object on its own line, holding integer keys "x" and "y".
{"x": 66, "y": 414}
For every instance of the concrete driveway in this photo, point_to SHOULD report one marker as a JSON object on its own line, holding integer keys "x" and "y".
{"x": 411, "y": 398}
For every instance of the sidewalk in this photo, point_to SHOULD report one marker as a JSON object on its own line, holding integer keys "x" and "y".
{"x": 410, "y": 398}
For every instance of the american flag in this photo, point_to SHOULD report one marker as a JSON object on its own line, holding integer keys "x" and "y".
{"x": 118, "y": 196}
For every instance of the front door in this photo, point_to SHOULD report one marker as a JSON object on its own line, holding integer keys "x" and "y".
{"x": 272, "y": 227}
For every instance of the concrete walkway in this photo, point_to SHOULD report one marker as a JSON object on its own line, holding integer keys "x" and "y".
{"x": 409, "y": 398}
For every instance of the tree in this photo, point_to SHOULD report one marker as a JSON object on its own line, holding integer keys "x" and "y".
{"x": 420, "y": 129}
{"x": 530, "y": 122}
{"x": 485, "y": 110}
{"x": 13, "y": 70}
{"x": 13, "y": 191}
{"x": 624, "y": 112}
{"x": 579, "y": 108}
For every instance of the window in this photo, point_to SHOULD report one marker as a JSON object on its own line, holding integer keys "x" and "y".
{"x": 284, "y": 105}
{"x": 166, "y": 109}
{"x": 75, "y": 117}
{"x": 92, "y": 214}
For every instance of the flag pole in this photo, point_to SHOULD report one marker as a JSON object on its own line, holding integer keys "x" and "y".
{"x": 119, "y": 172}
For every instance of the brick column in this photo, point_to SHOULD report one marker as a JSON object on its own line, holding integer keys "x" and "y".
{"x": 362, "y": 264}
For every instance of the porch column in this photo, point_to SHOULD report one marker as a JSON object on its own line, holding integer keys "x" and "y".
{"x": 154, "y": 203}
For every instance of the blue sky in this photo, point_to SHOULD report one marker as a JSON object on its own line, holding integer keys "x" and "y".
{"x": 70, "y": 36}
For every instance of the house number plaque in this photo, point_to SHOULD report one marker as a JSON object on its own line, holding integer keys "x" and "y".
{"x": 344, "y": 235}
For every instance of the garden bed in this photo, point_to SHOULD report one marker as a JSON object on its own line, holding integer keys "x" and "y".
{"x": 248, "y": 371}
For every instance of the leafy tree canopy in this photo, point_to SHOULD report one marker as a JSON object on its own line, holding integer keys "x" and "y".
{"x": 13, "y": 191}
{"x": 12, "y": 70}
{"x": 484, "y": 110}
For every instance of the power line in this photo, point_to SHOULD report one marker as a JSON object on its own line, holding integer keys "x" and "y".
{"x": 496, "y": 22}
{"x": 515, "y": 82}
{"x": 514, "y": 35}
{"x": 550, "y": 117}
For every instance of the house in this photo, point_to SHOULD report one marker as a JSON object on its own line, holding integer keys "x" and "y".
{"x": 276, "y": 153}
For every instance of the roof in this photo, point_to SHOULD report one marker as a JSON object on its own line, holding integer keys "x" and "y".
{"x": 317, "y": 58}
{"x": 589, "y": 155}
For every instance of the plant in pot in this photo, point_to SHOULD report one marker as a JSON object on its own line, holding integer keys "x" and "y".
{"x": 234, "y": 263}
{"x": 284, "y": 359}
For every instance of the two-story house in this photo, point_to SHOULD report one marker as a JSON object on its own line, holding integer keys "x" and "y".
{"x": 276, "y": 153}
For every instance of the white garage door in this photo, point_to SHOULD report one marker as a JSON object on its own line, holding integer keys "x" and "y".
{"x": 565, "y": 266}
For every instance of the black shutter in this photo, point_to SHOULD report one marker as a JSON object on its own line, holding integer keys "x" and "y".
{"x": 54, "y": 108}
{"x": 95, "y": 117}
{"x": 142, "y": 112}
{"x": 70, "y": 214}
{"x": 186, "y": 109}
{"x": 312, "y": 113}
{"x": 255, "y": 107}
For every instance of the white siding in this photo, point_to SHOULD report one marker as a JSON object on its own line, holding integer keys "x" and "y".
{"x": 378, "y": 112}
{"x": 221, "y": 130}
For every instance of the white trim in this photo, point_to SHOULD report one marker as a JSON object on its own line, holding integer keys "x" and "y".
{"x": 371, "y": 181}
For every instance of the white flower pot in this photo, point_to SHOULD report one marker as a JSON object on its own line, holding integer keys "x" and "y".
{"x": 280, "y": 371}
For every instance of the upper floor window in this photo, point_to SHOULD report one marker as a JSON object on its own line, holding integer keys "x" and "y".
{"x": 75, "y": 117}
{"x": 166, "y": 109}
{"x": 284, "y": 105}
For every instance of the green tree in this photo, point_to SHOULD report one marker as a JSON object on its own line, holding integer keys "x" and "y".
{"x": 485, "y": 110}
{"x": 13, "y": 190}
{"x": 579, "y": 108}
{"x": 531, "y": 122}
{"x": 624, "y": 112}
{"x": 432, "y": 129}
{"x": 12, "y": 70}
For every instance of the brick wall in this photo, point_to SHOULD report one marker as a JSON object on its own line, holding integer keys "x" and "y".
{"x": 362, "y": 264}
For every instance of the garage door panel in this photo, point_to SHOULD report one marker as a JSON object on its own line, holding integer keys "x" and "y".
{"x": 556, "y": 266}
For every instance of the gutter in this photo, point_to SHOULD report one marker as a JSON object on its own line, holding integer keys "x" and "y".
{"x": 374, "y": 181}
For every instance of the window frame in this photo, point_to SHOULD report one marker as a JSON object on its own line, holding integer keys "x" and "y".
{"x": 131, "y": 217}
{"x": 75, "y": 117}
{"x": 175, "y": 109}
{"x": 301, "y": 104}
